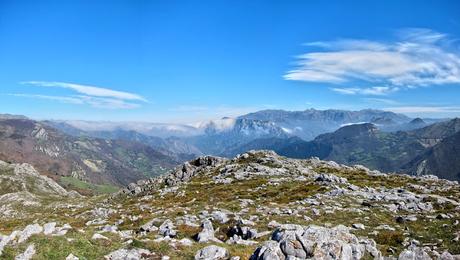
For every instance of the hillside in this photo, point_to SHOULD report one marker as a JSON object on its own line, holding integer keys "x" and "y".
{"x": 368, "y": 145}
{"x": 24, "y": 187}
{"x": 79, "y": 162}
{"x": 441, "y": 160}
{"x": 174, "y": 147}
{"x": 354, "y": 144}
{"x": 255, "y": 206}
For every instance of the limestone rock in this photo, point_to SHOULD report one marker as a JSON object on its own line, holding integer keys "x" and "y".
{"x": 29, "y": 231}
{"x": 304, "y": 242}
{"x": 130, "y": 254}
{"x": 167, "y": 229}
{"x": 28, "y": 254}
{"x": 207, "y": 232}
{"x": 212, "y": 253}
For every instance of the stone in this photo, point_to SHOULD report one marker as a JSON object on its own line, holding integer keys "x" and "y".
{"x": 28, "y": 231}
{"x": 5, "y": 240}
{"x": 207, "y": 233}
{"x": 358, "y": 226}
{"x": 270, "y": 250}
{"x": 301, "y": 242}
{"x": 109, "y": 228}
{"x": 212, "y": 253}
{"x": 28, "y": 254}
{"x": 220, "y": 217}
{"x": 97, "y": 236}
{"x": 186, "y": 242}
{"x": 167, "y": 229}
{"x": 71, "y": 257}
{"x": 130, "y": 254}
{"x": 148, "y": 227}
{"x": 414, "y": 253}
{"x": 446, "y": 256}
{"x": 49, "y": 228}
{"x": 60, "y": 231}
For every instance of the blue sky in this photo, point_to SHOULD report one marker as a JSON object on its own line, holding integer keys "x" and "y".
{"x": 186, "y": 61}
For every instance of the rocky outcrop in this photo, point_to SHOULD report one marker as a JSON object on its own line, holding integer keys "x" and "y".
{"x": 207, "y": 233}
{"x": 314, "y": 242}
{"x": 180, "y": 174}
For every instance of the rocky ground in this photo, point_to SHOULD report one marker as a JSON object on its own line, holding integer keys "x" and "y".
{"x": 256, "y": 206}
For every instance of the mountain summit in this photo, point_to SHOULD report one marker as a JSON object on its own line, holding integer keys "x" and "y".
{"x": 257, "y": 205}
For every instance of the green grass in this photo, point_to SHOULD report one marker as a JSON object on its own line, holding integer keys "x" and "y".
{"x": 76, "y": 184}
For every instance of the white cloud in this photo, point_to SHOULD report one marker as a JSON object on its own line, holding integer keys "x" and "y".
{"x": 419, "y": 58}
{"x": 88, "y": 90}
{"x": 97, "y": 102}
{"x": 373, "y": 91}
{"x": 96, "y": 97}
{"x": 68, "y": 100}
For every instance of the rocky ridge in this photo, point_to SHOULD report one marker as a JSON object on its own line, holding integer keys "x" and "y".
{"x": 257, "y": 205}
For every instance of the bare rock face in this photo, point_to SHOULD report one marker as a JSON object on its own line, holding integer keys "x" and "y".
{"x": 314, "y": 242}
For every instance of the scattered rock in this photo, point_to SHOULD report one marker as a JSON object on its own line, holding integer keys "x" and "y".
{"x": 28, "y": 254}
{"x": 71, "y": 257}
{"x": 49, "y": 228}
{"x": 130, "y": 254}
{"x": 28, "y": 231}
{"x": 358, "y": 226}
{"x": 207, "y": 233}
{"x": 98, "y": 236}
{"x": 220, "y": 217}
{"x": 212, "y": 253}
{"x": 167, "y": 229}
{"x": 414, "y": 253}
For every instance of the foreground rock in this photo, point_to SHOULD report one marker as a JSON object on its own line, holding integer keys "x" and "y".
{"x": 212, "y": 253}
{"x": 305, "y": 242}
{"x": 130, "y": 254}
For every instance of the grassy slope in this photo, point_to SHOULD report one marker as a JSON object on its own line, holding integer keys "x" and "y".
{"x": 201, "y": 193}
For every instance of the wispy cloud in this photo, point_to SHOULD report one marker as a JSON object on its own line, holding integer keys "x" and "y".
{"x": 88, "y": 90}
{"x": 89, "y": 95}
{"x": 106, "y": 103}
{"x": 419, "y": 58}
{"x": 373, "y": 91}
{"x": 68, "y": 100}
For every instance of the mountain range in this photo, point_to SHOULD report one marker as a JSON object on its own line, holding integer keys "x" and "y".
{"x": 126, "y": 152}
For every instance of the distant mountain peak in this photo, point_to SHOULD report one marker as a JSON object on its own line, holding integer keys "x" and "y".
{"x": 358, "y": 129}
{"x": 417, "y": 121}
